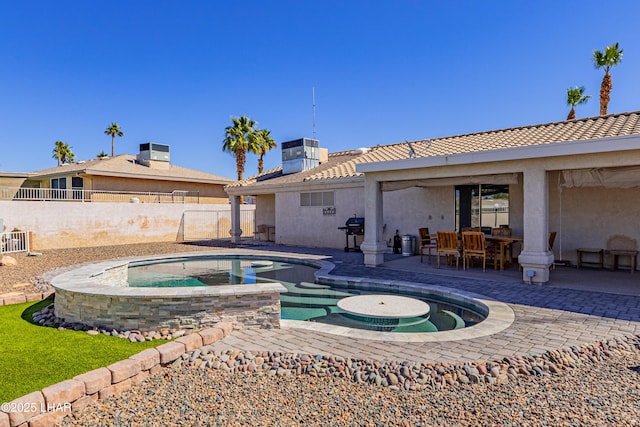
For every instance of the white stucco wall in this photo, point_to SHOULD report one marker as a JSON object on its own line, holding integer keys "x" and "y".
{"x": 516, "y": 207}
{"x": 587, "y": 217}
{"x": 266, "y": 215}
{"x": 408, "y": 210}
{"x": 404, "y": 210}
{"x": 307, "y": 226}
{"x": 57, "y": 225}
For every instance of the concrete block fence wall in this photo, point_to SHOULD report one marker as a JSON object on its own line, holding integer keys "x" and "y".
{"x": 47, "y": 407}
{"x": 59, "y": 225}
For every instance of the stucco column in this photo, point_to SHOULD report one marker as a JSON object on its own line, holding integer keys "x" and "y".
{"x": 535, "y": 258}
{"x": 235, "y": 231}
{"x": 373, "y": 247}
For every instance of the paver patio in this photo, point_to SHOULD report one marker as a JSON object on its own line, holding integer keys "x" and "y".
{"x": 577, "y": 307}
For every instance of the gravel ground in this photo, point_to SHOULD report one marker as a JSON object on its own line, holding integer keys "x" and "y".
{"x": 600, "y": 394}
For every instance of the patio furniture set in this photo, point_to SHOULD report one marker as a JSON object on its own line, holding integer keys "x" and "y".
{"x": 471, "y": 244}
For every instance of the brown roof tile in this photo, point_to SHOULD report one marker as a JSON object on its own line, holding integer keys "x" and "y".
{"x": 343, "y": 165}
{"x": 126, "y": 165}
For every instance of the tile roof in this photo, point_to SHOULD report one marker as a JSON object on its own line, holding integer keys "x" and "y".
{"x": 343, "y": 164}
{"x": 126, "y": 165}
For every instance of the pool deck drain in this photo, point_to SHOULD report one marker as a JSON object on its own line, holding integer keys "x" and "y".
{"x": 546, "y": 318}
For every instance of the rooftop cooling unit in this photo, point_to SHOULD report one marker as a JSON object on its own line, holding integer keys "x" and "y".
{"x": 300, "y": 155}
{"x": 153, "y": 151}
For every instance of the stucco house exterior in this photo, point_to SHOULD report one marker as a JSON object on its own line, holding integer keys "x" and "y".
{"x": 11, "y": 181}
{"x": 119, "y": 200}
{"x": 115, "y": 178}
{"x": 579, "y": 178}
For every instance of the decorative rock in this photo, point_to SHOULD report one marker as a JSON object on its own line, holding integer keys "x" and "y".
{"x": 8, "y": 261}
{"x": 392, "y": 378}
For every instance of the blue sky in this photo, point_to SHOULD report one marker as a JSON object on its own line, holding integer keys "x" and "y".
{"x": 174, "y": 72}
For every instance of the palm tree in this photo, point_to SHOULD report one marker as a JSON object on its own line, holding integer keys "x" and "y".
{"x": 575, "y": 96}
{"x": 63, "y": 153}
{"x": 611, "y": 57}
{"x": 260, "y": 142}
{"x": 113, "y": 130}
{"x": 236, "y": 140}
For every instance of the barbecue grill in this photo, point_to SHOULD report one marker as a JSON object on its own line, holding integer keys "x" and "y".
{"x": 353, "y": 227}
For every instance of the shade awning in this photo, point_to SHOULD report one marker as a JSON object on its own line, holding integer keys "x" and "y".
{"x": 498, "y": 179}
{"x": 626, "y": 177}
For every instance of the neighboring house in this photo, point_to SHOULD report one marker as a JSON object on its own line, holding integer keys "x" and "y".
{"x": 142, "y": 199}
{"x": 115, "y": 178}
{"x": 10, "y": 182}
{"x": 579, "y": 178}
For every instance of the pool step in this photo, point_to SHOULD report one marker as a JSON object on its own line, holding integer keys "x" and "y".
{"x": 302, "y": 313}
{"x": 307, "y": 301}
{"x": 411, "y": 325}
{"x": 446, "y": 320}
{"x": 320, "y": 292}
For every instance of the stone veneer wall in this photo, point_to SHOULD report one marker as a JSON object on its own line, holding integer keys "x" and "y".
{"x": 103, "y": 300}
{"x": 46, "y": 408}
{"x": 259, "y": 310}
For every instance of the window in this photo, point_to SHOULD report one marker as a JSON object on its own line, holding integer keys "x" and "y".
{"x": 320, "y": 198}
{"x": 77, "y": 185}
{"x": 484, "y": 205}
{"x": 58, "y": 188}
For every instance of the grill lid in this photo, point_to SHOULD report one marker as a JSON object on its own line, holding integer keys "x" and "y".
{"x": 354, "y": 222}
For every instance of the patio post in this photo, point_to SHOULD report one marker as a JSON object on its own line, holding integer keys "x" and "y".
{"x": 536, "y": 258}
{"x": 235, "y": 231}
{"x": 373, "y": 247}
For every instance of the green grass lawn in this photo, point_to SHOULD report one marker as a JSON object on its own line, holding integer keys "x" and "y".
{"x": 33, "y": 357}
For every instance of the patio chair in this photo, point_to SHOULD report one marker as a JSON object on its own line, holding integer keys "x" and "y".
{"x": 261, "y": 230}
{"x": 447, "y": 245}
{"x": 552, "y": 239}
{"x": 622, "y": 246}
{"x": 504, "y": 232}
{"x": 464, "y": 229}
{"x": 473, "y": 246}
{"x": 426, "y": 242}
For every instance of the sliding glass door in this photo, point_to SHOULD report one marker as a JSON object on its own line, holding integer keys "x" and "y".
{"x": 484, "y": 205}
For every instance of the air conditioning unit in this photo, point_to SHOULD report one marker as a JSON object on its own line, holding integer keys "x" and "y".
{"x": 300, "y": 155}
{"x": 154, "y": 151}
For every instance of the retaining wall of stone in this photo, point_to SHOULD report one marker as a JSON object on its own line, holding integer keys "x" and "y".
{"x": 248, "y": 310}
{"x": 97, "y": 295}
{"x": 47, "y": 407}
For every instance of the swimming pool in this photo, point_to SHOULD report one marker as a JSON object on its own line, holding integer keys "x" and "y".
{"x": 304, "y": 299}
{"x": 99, "y": 295}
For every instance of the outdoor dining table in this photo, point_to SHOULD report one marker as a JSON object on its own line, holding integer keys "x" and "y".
{"x": 503, "y": 242}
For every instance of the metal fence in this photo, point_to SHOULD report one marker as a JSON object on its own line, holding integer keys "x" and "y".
{"x": 210, "y": 224}
{"x": 14, "y": 241}
{"x": 78, "y": 195}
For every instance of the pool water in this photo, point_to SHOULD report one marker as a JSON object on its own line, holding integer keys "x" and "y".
{"x": 304, "y": 300}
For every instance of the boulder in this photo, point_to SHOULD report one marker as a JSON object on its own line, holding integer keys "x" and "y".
{"x": 8, "y": 261}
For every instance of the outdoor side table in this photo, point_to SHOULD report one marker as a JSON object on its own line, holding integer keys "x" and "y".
{"x": 633, "y": 258}
{"x": 590, "y": 251}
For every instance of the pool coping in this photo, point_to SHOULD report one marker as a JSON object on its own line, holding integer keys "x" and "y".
{"x": 499, "y": 315}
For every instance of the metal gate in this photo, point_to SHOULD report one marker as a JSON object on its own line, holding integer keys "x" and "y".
{"x": 216, "y": 224}
{"x": 14, "y": 241}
